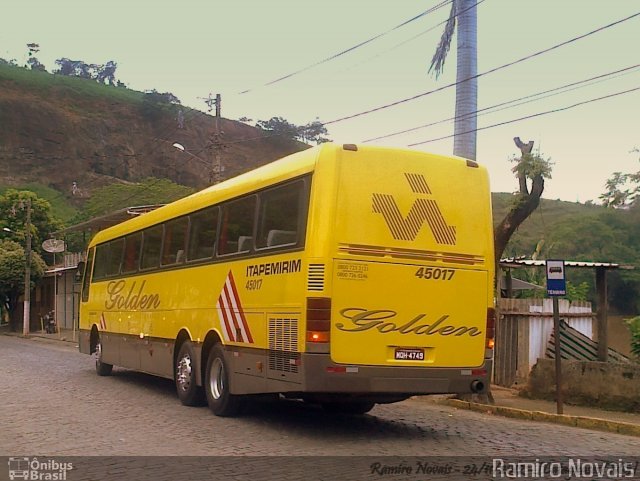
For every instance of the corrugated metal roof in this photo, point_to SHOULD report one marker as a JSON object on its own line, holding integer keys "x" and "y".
{"x": 517, "y": 262}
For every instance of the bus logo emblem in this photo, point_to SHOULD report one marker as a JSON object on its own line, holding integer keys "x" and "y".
{"x": 231, "y": 314}
{"x": 423, "y": 210}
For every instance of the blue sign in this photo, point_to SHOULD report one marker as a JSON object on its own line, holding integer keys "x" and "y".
{"x": 556, "y": 281}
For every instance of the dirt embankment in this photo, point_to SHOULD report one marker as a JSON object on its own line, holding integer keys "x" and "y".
{"x": 56, "y": 136}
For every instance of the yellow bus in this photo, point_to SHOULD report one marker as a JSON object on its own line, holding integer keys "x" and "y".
{"x": 344, "y": 275}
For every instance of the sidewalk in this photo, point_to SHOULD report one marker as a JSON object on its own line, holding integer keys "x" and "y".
{"x": 509, "y": 404}
{"x": 65, "y": 335}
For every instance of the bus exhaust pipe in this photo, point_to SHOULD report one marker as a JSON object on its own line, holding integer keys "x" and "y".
{"x": 477, "y": 386}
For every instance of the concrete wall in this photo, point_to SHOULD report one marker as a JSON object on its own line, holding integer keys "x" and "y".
{"x": 607, "y": 385}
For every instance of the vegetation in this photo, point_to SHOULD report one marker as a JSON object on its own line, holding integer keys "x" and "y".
{"x": 12, "y": 272}
{"x": 634, "y": 326}
{"x": 311, "y": 132}
{"x": 13, "y": 215}
{"x": 60, "y": 207}
{"x": 13, "y": 212}
{"x": 529, "y": 168}
{"x": 119, "y": 196}
{"x": 622, "y": 189}
{"x": 583, "y": 233}
{"x": 42, "y": 81}
{"x": 569, "y": 230}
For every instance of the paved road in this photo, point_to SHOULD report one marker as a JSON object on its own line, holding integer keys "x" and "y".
{"x": 54, "y": 404}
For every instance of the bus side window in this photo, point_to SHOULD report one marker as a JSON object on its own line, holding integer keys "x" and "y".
{"x": 108, "y": 257}
{"x": 86, "y": 280}
{"x": 202, "y": 234}
{"x": 175, "y": 236}
{"x": 116, "y": 248}
{"x": 151, "y": 245}
{"x": 236, "y": 230}
{"x": 102, "y": 261}
{"x": 131, "y": 253}
{"x": 280, "y": 215}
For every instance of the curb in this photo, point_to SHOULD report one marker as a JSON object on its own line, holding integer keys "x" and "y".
{"x": 39, "y": 338}
{"x": 576, "y": 421}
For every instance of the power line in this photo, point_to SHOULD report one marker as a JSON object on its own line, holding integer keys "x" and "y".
{"x": 495, "y": 69}
{"x": 563, "y": 89}
{"x": 539, "y": 114}
{"x": 351, "y": 49}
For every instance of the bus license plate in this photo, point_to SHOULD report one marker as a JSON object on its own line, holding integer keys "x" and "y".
{"x": 406, "y": 354}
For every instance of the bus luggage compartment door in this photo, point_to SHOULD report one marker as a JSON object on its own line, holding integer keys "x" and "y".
{"x": 386, "y": 314}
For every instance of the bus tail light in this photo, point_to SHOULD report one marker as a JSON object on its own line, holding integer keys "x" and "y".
{"x": 491, "y": 327}
{"x": 318, "y": 319}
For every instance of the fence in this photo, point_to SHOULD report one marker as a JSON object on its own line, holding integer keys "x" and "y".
{"x": 523, "y": 330}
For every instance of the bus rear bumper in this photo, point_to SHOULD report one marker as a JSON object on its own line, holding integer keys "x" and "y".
{"x": 323, "y": 375}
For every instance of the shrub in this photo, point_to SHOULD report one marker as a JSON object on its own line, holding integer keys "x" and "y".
{"x": 634, "y": 326}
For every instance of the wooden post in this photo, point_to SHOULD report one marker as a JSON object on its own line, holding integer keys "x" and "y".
{"x": 558, "y": 354}
{"x": 601, "y": 288}
{"x": 509, "y": 282}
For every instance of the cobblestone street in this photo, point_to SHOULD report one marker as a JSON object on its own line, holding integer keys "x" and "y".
{"x": 55, "y": 404}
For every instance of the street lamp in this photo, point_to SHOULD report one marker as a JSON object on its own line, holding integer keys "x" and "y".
{"x": 216, "y": 167}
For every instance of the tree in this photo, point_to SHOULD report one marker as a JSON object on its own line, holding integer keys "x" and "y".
{"x": 529, "y": 168}
{"x": 32, "y": 62}
{"x": 157, "y": 104}
{"x": 107, "y": 73}
{"x": 78, "y": 68}
{"x": 465, "y": 13}
{"x": 13, "y": 216}
{"x": 622, "y": 189}
{"x": 12, "y": 265}
{"x": 311, "y": 132}
{"x": 74, "y": 68}
{"x": 279, "y": 126}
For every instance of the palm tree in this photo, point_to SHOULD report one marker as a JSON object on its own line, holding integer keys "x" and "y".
{"x": 465, "y": 13}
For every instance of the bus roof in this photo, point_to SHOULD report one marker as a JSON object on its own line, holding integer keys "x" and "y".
{"x": 288, "y": 167}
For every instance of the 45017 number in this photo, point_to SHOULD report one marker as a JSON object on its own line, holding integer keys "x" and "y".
{"x": 435, "y": 273}
{"x": 253, "y": 284}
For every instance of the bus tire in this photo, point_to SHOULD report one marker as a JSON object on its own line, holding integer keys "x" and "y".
{"x": 189, "y": 393}
{"x": 216, "y": 385}
{"x": 102, "y": 368}
{"x": 348, "y": 407}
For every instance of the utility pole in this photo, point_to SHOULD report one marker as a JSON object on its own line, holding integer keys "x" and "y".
{"x": 215, "y": 142}
{"x": 27, "y": 274}
{"x": 215, "y": 176}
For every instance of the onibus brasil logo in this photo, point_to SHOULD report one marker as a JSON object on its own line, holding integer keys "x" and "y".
{"x": 423, "y": 210}
{"x": 37, "y": 470}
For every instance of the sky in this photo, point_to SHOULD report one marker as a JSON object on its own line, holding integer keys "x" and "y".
{"x": 194, "y": 47}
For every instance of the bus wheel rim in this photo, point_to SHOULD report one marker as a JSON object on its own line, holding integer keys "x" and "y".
{"x": 98, "y": 352}
{"x": 184, "y": 372}
{"x": 216, "y": 379}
